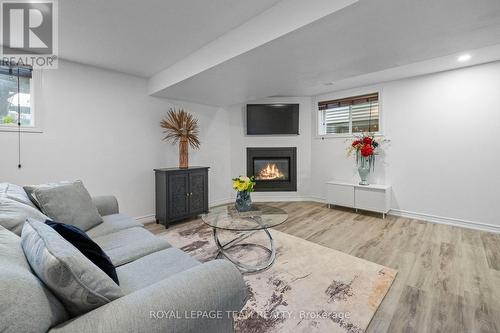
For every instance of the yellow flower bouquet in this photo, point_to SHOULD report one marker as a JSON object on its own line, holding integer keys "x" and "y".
{"x": 244, "y": 185}
{"x": 241, "y": 184}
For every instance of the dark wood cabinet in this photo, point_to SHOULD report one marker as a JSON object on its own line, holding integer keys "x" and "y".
{"x": 180, "y": 193}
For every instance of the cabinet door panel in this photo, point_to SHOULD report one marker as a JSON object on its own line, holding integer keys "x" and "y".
{"x": 178, "y": 189}
{"x": 197, "y": 188}
{"x": 371, "y": 199}
{"x": 341, "y": 195}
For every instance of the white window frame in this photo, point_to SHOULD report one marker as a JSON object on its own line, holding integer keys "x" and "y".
{"x": 319, "y": 123}
{"x": 35, "y": 84}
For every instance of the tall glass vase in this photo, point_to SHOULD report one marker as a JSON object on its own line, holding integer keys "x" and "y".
{"x": 364, "y": 170}
{"x": 243, "y": 201}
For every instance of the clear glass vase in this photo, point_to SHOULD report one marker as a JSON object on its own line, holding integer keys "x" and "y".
{"x": 364, "y": 170}
{"x": 243, "y": 201}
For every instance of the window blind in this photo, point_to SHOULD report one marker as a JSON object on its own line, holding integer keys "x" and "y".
{"x": 350, "y": 115}
{"x": 12, "y": 70}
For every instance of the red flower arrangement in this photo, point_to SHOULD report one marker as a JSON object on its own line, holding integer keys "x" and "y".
{"x": 365, "y": 149}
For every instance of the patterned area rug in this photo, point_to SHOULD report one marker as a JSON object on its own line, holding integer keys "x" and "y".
{"x": 309, "y": 288}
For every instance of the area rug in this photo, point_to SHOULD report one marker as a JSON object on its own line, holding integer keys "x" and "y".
{"x": 309, "y": 288}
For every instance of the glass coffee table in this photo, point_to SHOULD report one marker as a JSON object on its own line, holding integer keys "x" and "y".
{"x": 245, "y": 224}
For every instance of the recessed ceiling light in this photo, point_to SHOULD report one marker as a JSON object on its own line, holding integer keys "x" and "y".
{"x": 464, "y": 57}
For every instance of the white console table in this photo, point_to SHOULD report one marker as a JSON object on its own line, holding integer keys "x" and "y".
{"x": 376, "y": 198}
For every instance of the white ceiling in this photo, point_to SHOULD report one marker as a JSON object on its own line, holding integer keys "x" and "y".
{"x": 367, "y": 37}
{"x": 367, "y": 41}
{"x": 284, "y": 17}
{"x": 146, "y": 36}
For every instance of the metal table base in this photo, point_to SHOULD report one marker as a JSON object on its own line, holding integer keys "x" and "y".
{"x": 245, "y": 268}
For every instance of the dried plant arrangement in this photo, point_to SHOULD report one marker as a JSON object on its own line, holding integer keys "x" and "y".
{"x": 180, "y": 126}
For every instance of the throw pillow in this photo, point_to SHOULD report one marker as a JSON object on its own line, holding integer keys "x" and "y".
{"x": 13, "y": 214}
{"x": 79, "y": 239}
{"x": 27, "y": 304}
{"x": 76, "y": 281}
{"x": 15, "y": 192}
{"x": 69, "y": 204}
{"x": 30, "y": 189}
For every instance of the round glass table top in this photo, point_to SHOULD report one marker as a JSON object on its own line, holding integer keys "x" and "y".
{"x": 261, "y": 216}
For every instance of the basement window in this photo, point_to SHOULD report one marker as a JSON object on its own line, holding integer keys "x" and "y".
{"x": 16, "y": 98}
{"x": 350, "y": 115}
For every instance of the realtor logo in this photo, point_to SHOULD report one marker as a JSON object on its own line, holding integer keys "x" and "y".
{"x": 29, "y": 32}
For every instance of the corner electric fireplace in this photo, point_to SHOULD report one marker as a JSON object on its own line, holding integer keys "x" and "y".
{"x": 274, "y": 169}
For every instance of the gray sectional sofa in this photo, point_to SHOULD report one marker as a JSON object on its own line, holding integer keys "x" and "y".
{"x": 165, "y": 289}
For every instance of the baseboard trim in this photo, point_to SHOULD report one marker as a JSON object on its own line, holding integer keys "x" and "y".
{"x": 446, "y": 220}
{"x": 280, "y": 198}
{"x": 220, "y": 202}
{"x": 152, "y": 217}
{"x": 455, "y": 222}
{"x": 146, "y": 218}
{"x": 317, "y": 199}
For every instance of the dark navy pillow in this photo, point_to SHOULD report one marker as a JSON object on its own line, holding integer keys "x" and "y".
{"x": 86, "y": 246}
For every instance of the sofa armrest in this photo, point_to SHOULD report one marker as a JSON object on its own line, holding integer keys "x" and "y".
{"x": 200, "y": 299}
{"x": 106, "y": 204}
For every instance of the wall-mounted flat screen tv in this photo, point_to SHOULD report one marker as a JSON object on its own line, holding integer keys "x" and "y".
{"x": 272, "y": 119}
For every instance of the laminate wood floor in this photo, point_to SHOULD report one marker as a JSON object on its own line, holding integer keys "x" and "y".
{"x": 448, "y": 278}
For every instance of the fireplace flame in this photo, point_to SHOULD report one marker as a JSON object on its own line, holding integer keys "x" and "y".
{"x": 270, "y": 172}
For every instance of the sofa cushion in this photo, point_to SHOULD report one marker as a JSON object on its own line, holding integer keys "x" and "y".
{"x": 152, "y": 268}
{"x": 112, "y": 223}
{"x": 15, "y": 192}
{"x": 74, "y": 279}
{"x": 13, "y": 214}
{"x": 27, "y": 305}
{"x": 30, "y": 190}
{"x": 79, "y": 239}
{"x": 69, "y": 204}
{"x": 130, "y": 244}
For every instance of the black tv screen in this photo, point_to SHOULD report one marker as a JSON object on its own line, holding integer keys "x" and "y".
{"x": 267, "y": 119}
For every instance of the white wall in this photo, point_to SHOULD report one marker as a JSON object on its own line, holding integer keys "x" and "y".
{"x": 442, "y": 159}
{"x": 102, "y": 127}
{"x": 240, "y": 141}
{"x": 214, "y": 151}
